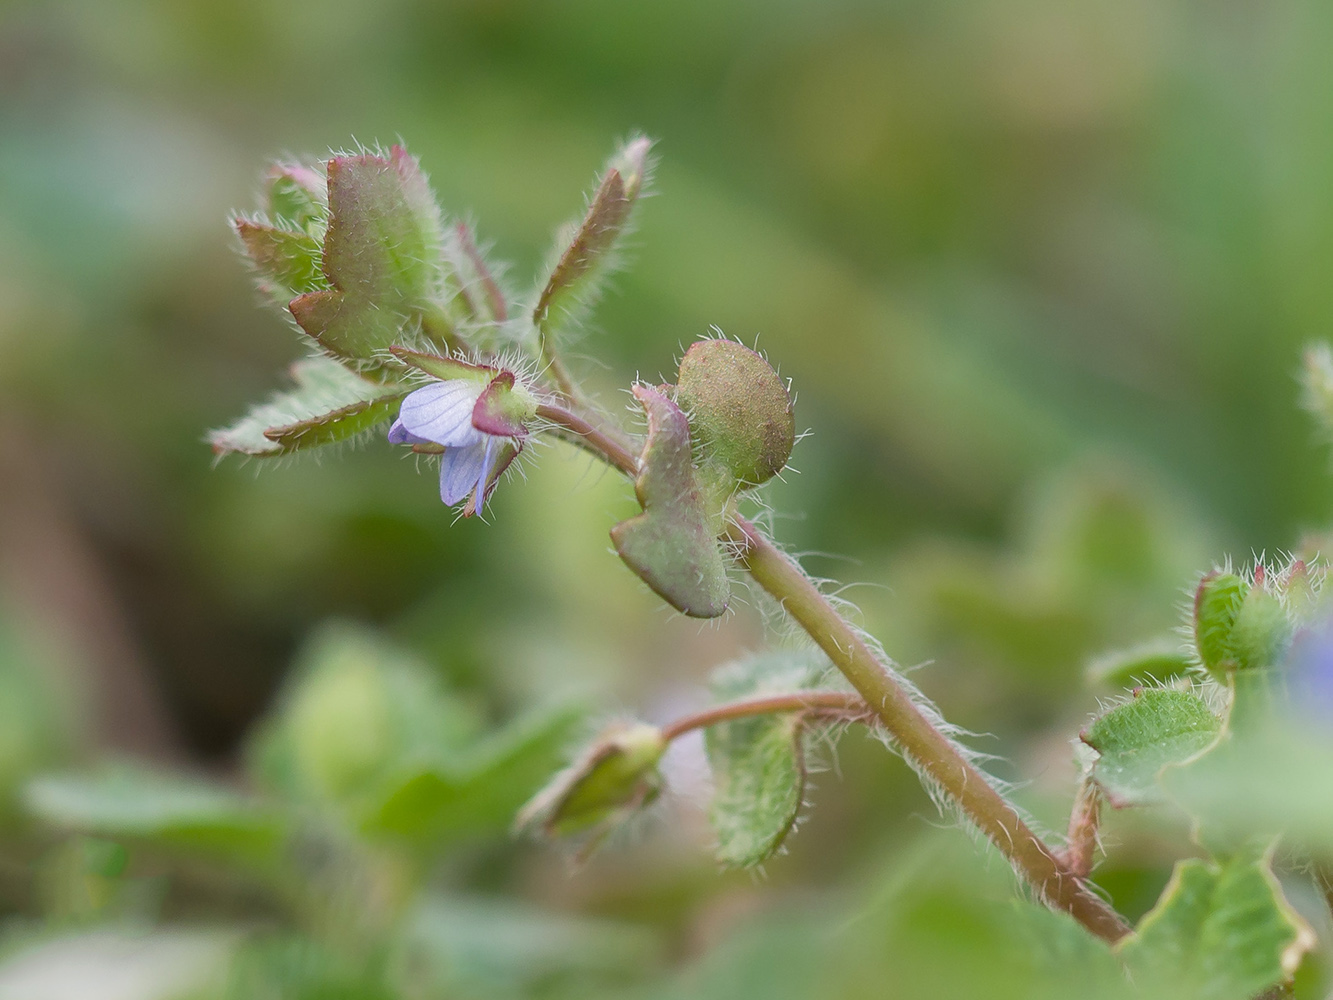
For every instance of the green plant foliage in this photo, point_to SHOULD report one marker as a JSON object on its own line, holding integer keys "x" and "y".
{"x": 1221, "y": 931}
{"x": 759, "y": 764}
{"x": 672, "y": 545}
{"x": 1136, "y": 741}
{"x": 133, "y": 803}
{"x": 586, "y": 252}
{"x": 327, "y": 405}
{"x": 382, "y": 257}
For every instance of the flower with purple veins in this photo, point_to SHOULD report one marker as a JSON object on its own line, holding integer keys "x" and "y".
{"x": 479, "y": 425}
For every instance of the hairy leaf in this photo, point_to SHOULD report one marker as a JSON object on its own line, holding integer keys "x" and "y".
{"x": 382, "y": 257}
{"x": 327, "y": 404}
{"x": 587, "y": 251}
{"x": 672, "y": 545}
{"x": 1135, "y": 741}
{"x": 759, "y": 763}
{"x": 1222, "y": 930}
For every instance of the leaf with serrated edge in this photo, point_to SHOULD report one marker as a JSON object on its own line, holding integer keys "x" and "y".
{"x": 672, "y": 545}
{"x": 1222, "y": 930}
{"x": 1136, "y": 740}
{"x": 758, "y": 764}
{"x": 328, "y": 404}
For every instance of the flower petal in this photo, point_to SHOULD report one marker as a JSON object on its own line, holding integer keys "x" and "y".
{"x": 398, "y": 434}
{"x": 487, "y": 462}
{"x": 459, "y": 470}
{"x": 442, "y": 412}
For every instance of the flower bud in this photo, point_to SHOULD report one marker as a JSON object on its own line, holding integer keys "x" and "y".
{"x": 1238, "y": 625}
{"x": 611, "y": 779}
{"x": 740, "y": 412}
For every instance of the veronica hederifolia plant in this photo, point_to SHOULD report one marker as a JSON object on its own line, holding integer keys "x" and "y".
{"x": 408, "y": 326}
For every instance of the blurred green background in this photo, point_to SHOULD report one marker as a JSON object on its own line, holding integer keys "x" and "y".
{"x": 1040, "y": 273}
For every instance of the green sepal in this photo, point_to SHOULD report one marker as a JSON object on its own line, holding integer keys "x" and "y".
{"x": 1217, "y": 602}
{"x": 612, "y": 779}
{"x": 740, "y": 412}
{"x": 1136, "y": 741}
{"x": 759, "y": 763}
{"x": 442, "y": 368}
{"x": 504, "y": 407}
{"x": 587, "y": 251}
{"x": 382, "y": 257}
{"x": 672, "y": 545}
{"x": 1238, "y": 625}
{"x": 327, "y": 404}
{"x": 1222, "y": 930}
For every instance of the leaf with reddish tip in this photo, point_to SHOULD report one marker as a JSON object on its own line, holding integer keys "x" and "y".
{"x": 382, "y": 256}
{"x": 298, "y": 194}
{"x": 588, "y": 252}
{"x": 672, "y": 544}
{"x": 327, "y": 404}
{"x": 288, "y": 263}
{"x": 445, "y": 369}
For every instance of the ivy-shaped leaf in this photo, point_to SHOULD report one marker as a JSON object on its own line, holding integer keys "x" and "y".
{"x": 759, "y": 763}
{"x": 672, "y": 545}
{"x": 1137, "y": 740}
{"x": 1222, "y": 930}
{"x": 328, "y": 404}
{"x": 382, "y": 257}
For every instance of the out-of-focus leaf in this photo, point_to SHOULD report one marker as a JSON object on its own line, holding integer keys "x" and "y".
{"x": 490, "y": 948}
{"x": 1137, "y": 740}
{"x": 759, "y": 763}
{"x": 328, "y": 404}
{"x": 167, "y": 809}
{"x": 478, "y": 791}
{"x": 672, "y": 545}
{"x": 1156, "y": 661}
{"x": 1221, "y": 931}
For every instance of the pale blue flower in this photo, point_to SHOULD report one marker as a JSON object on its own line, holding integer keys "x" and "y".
{"x": 441, "y": 413}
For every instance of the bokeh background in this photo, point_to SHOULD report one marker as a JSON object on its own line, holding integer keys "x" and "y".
{"x": 1040, "y": 272}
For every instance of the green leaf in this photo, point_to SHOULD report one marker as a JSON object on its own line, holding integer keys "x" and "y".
{"x": 759, "y": 763}
{"x": 287, "y": 262}
{"x": 382, "y": 256}
{"x": 740, "y": 412}
{"x": 135, "y": 803}
{"x": 1136, "y": 740}
{"x": 587, "y": 252}
{"x": 1221, "y": 931}
{"x": 672, "y": 545}
{"x": 327, "y": 405}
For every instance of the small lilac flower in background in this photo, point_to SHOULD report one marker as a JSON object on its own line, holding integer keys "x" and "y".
{"x": 1310, "y": 681}
{"x": 478, "y": 424}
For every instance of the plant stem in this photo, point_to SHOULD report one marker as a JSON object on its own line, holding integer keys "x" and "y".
{"x": 934, "y": 753}
{"x": 605, "y": 444}
{"x": 938, "y": 757}
{"x": 833, "y": 703}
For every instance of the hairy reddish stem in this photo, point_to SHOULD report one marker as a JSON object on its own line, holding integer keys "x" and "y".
{"x": 838, "y": 704}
